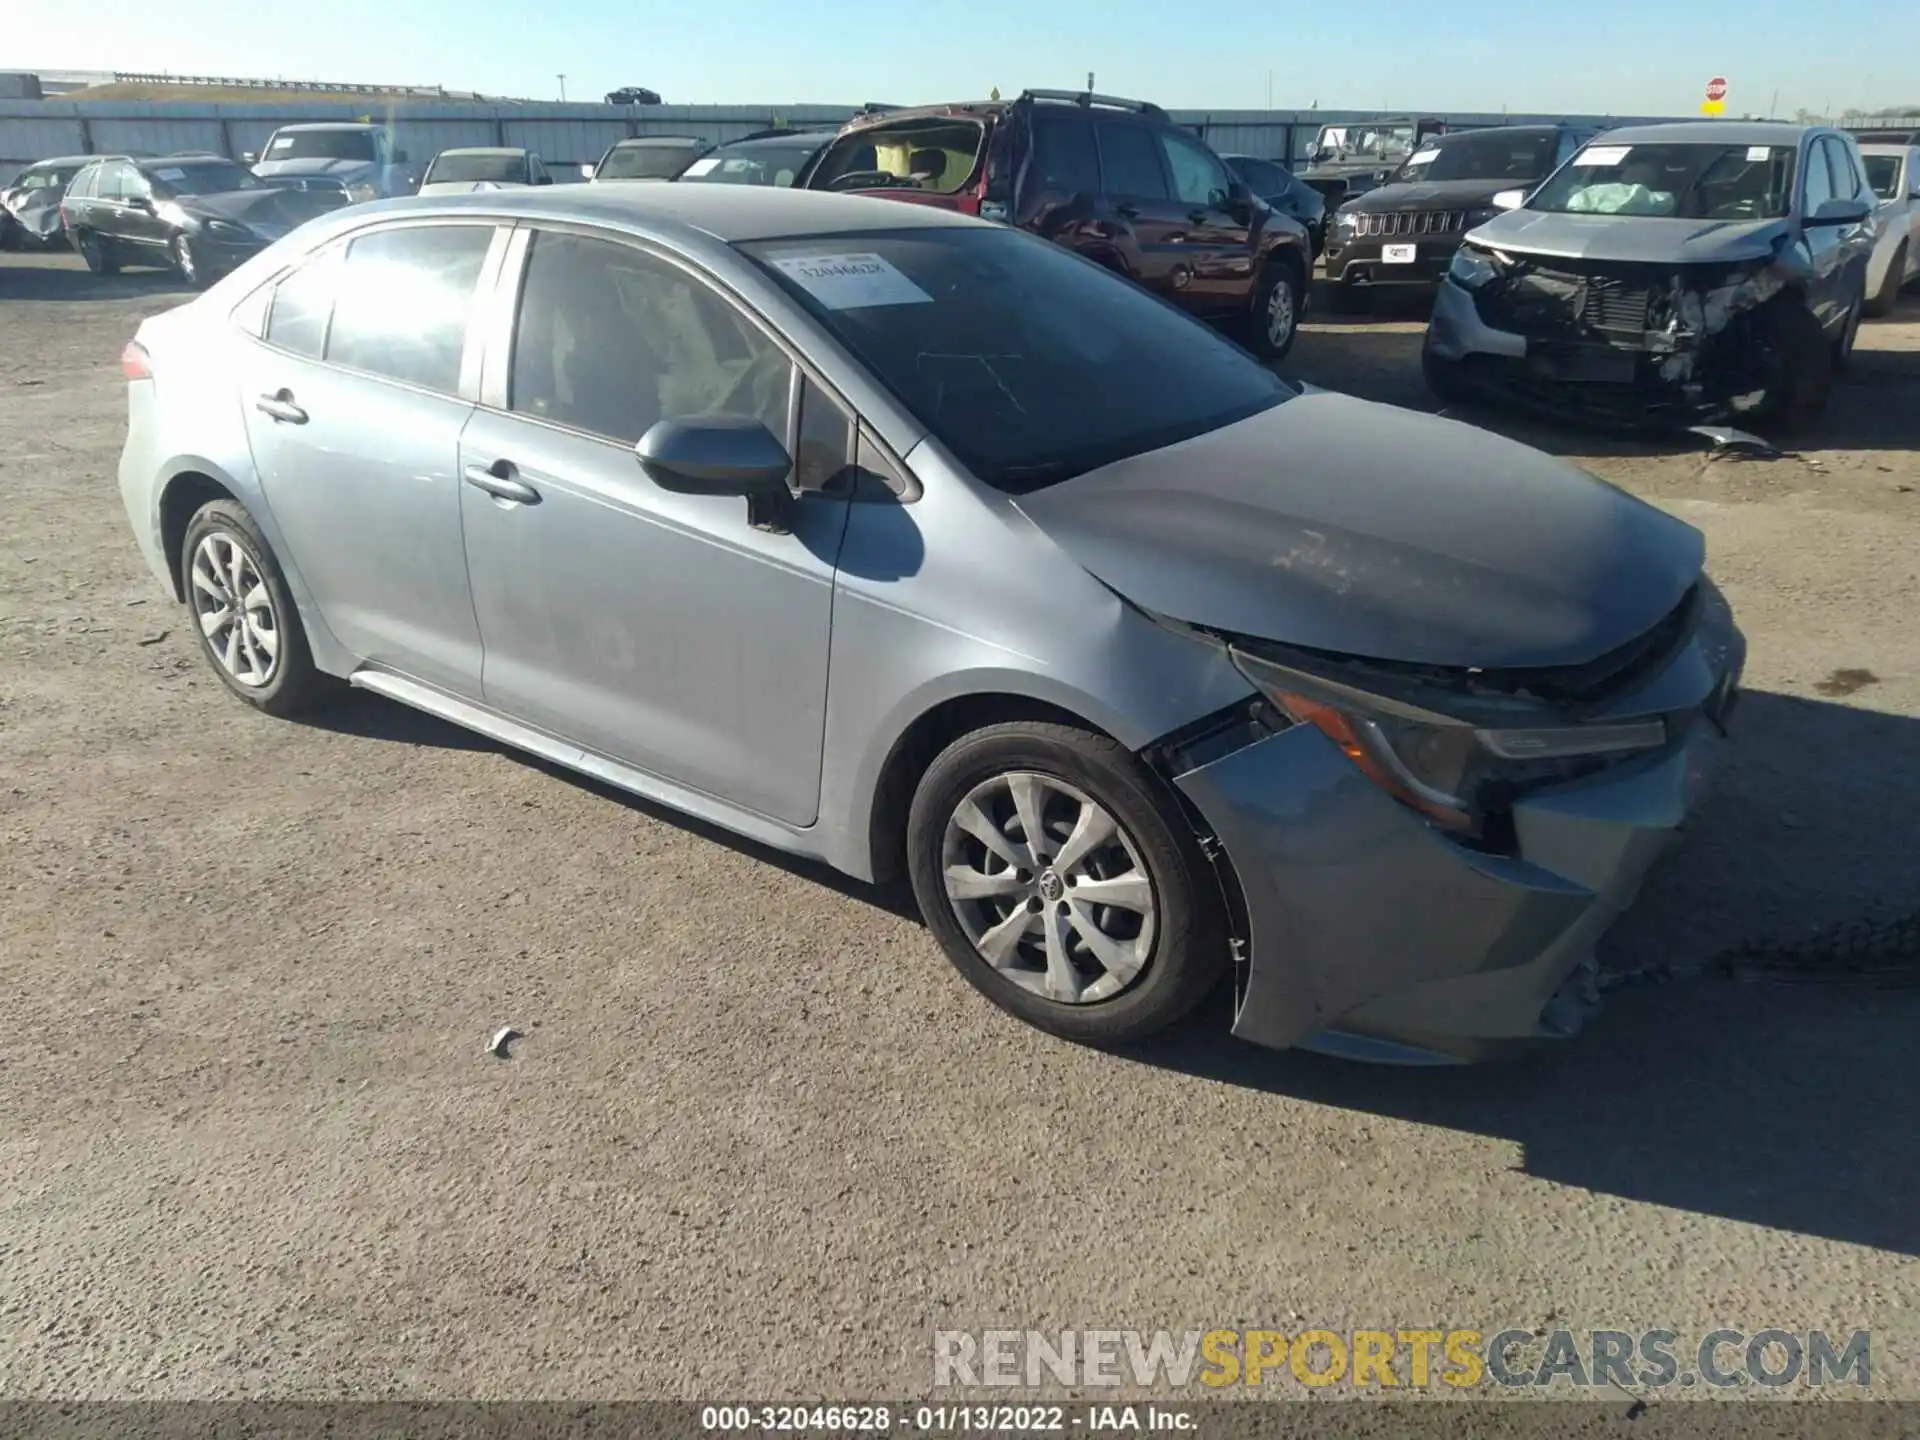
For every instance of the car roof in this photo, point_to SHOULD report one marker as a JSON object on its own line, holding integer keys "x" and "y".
{"x": 727, "y": 213}
{"x": 486, "y": 150}
{"x": 331, "y": 125}
{"x": 1710, "y": 132}
{"x": 786, "y": 140}
{"x": 1553, "y": 129}
{"x": 677, "y": 141}
{"x": 952, "y": 110}
{"x": 59, "y": 160}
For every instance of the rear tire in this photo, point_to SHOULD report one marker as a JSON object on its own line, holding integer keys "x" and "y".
{"x": 1275, "y": 321}
{"x": 1882, "y": 302}
{"x": 186, "y": 263}
{"x": 97, "y": 252}
{"x": 1157, "y": 943}
{"x": 239, "y": 606}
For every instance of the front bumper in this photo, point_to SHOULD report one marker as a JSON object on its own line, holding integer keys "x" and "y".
{"x": 1371, "y": 934}
{"x": 220, "y": 254}
{"x": 1588, "y": 381}
{"x": 1363, "y": 260}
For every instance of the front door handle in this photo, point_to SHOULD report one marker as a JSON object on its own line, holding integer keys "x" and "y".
{"x": 280, "y": 407}
{"x": 498, "y": 481}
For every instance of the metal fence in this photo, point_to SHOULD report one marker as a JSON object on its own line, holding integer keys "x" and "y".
{"x": 562, "y": 134}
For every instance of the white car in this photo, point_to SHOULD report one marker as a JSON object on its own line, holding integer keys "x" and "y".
{"x": 1894, "y": 173}
{"x": 457, "y": 172}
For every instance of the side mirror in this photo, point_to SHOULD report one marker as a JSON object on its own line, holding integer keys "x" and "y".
{"x": 1509, "y": 199}
{"x": 249, "y": 157}
{"x": 1313, "y": 151}
{"x": 586, "y": 172}
{"x": 715, "y": 455}
{"x": 1840, "y": 212}
{"x": 399, "y": 157}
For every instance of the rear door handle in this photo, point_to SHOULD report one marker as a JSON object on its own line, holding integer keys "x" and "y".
{"x": 498, "y": 481}
{"x": 279, "y": 406}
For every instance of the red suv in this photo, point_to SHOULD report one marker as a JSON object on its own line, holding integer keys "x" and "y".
{"x": 1116, "y": 180}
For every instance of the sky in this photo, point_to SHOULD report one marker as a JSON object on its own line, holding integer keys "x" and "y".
{"x": 1624, "y": 57}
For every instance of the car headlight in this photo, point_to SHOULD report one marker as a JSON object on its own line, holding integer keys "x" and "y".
{"x": 1343, "y": 219}
{"x": 1481, "y": 216}
{"x": 1472, "y": 268}
{"x": 1450, "y": 771}
{"x": 364, "y": 190}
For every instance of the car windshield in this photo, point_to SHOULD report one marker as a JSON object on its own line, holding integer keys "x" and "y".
{"x": 320, "y": 145}
{"x": 201, "y": 177}
{"x": 1695, "y": 181}
{"x": 1486, "y": 156}
{"x": 1030, "y": 364}
{"x": 1364, "y": 142}
{"x": 762, "y": 165}
{"x": 476, "y": 165}
{"x": 1883, "y": 174}
{"x": 54, "y": 177}
{"x": 646, "y": 162}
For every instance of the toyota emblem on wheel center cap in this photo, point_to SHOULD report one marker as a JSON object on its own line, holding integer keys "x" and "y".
{"x": 1051, "y": 886}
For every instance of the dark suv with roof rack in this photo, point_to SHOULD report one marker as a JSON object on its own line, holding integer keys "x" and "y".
{"x": 1115, "y": 180}
{"x": 1401, "y": 235}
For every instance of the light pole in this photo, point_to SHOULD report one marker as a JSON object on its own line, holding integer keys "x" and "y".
{"x": 563, "y": 87}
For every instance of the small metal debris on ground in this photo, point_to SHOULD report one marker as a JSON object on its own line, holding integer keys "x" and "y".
{"x": 504, "y": 1037}
{"x": 155, "y": 638}
{"x": 1741, "y": 444}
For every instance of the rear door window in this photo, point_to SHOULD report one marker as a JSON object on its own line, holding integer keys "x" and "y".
{"x": 401, "y": 305}
{"x": 302, "y": 305}
{"x": 1064, "y": 156}
{"x": 611, "y": 340}
{"x": 1130, "y": 161}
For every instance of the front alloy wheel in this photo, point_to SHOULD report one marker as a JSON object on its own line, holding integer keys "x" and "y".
{"x": 235, "y": 610}
{"x": 187, "y": 261}
{"x": 1064, "y": 882}
{"x": 1049, "y": 888}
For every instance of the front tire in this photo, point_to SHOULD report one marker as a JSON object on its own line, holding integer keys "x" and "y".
{"x": 1062, "y": 882}
{"x": 1800, "y": 360}
{"x": 186, "y": 262}
{"x": 238, "y": 601}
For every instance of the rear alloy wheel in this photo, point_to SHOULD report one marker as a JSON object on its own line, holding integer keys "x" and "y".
{"x": 186, "y": 261}
{"x": 248, "y": 627}
{"x": 98, "y": 254}
{"x": 1276, "y": 312}
{"x": 1849, "y": 332}
{"x": 1044, "y": 862}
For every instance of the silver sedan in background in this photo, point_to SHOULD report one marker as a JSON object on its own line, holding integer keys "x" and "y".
{"x": 915, "y": 543}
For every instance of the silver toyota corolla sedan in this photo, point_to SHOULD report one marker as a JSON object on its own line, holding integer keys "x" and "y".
{"x": 916, "y": 543}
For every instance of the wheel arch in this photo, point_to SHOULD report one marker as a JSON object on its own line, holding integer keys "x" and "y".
{"x": 189, "y": 487}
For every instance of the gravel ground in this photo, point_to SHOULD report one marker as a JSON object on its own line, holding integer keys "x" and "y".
{"x": 759, "y": 1139}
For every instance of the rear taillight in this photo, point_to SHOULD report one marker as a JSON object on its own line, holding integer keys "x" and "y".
{"x": 133, "y": 362}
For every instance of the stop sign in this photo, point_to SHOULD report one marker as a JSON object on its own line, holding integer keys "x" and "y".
{"x": 1717, "y": 88}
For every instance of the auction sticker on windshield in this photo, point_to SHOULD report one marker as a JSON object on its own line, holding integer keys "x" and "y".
{"x": 851, "y": 282}
{"x": 1602, "y": 155}
{"x": 703, "y": 165}
{"x": 1424, "y": 157}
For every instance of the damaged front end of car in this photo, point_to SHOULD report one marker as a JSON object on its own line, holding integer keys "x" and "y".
{"x": 1424, "y": 858}
{"x": 1633, "y": 343}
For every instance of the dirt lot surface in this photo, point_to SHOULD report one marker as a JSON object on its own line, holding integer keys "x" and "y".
{"x": 759, "y": 1139}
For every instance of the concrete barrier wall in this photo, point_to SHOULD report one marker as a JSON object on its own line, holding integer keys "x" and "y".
{"x": 565, "y": 134}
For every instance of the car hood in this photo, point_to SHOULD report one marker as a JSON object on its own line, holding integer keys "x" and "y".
{"x": 1342, "y": 525}
{"x": 1432, "y": 195}
{"x": 38, "y": 211}
{"x": 317, "y": 165}
{"x": 267, "y": 210}
{"x": 1652, "y": 239}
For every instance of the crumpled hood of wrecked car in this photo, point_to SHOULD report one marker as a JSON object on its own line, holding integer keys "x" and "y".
{"x": 1648, "y": 239}
{"x": 1342, "y": 525}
